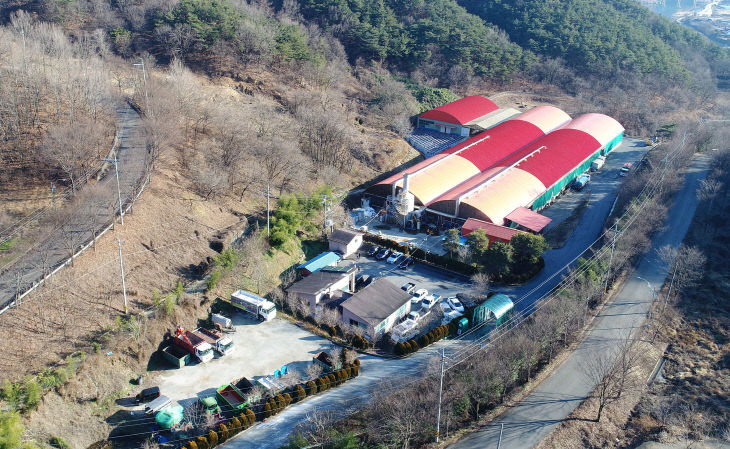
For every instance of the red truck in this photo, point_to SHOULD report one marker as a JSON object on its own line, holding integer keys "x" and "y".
{"x": 194, "y": 344}
{"x": 222, "y": 344}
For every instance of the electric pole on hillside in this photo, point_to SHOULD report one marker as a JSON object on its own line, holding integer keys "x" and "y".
{"x": 119, "y": 190}
{"x": 327, "y": 222}
{"x": 144, "y": 80}
{"x": 610, "y": 259}
{"x": 268, "y": 207}
{"x": 121, "y": 266}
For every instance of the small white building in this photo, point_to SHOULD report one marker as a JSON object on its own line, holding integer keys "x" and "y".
{"x": 345, "y": 242}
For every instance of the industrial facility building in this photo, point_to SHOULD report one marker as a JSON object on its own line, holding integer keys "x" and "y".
{"x": 503, "y": 175}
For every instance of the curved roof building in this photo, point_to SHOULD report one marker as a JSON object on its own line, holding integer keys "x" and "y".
{"x": 474, "y": 158}
{"x": 462, "y": 111}
{"x": 543, "y": 170}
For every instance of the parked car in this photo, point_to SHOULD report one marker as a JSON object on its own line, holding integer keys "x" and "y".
{"x": 625, "y": 169}
{"x": 383, "y": 254}
{"x": 405, "y": 263}
{"x": 430, "y": 301}
{"x": 419, "y": 295}
{"x": 455, "y": 304}
{"x": 409, "y": 287}
{"x": 449, "y": 316}
{"x": 394, "y": 257}
{"x": 581, "y": 182}
{"x": 415, "y": 316}
{"x": 598, "y": 163}
{"x": 148, "y": 394}
{"x": 373, "y": 250}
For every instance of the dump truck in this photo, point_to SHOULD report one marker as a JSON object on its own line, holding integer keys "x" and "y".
{"x": 222, "y": 344}
{"x": 230, "y": 398}
{"x": 176, "y": 355}
{"x": 254, "y": 305}
{"x": 193, "y": 344}
{"x": 244, "y": 385}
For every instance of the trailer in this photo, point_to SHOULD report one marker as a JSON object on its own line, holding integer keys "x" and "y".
{"x": 222, "y": 344}
{"x": 222, "y": 323}
{"x": 230, "y": 398}
{"x": 244, "y": 385}
{"x": 176, "y": 355}
{"x": 254, "y": 305}
{"x": 271, "y": 384}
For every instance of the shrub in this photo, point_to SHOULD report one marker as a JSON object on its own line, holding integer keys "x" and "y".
{"x": 32, "y": 394}
{"x": 59, "y": 442}
{"x": 321, "y": 384}
{"x": 192, "y": 445}
{"x": 357, "y": 362}
{"x": 287, "y": 399}
{"x": 299, "y": 393}
{"x": 213, "y": 279}
{"x": 311, "y": 388}
{"x": 332, "y": 379}
{"x": 398, "y": 350}
{"x": 235, "y": 426}
{"x": 348, "y": 371}
{"x": 202, "y": 443}
{"x": 213, "y": 438}
{"x": 223, "y": 433}
{"x": 279, "y": 400}
{"x": 243, "y": 418}
{"x": 96, "y": 347}
{"x": 267, "y": 409}
{"x": 355, "y": 370}
{"x": 251, "y": 416}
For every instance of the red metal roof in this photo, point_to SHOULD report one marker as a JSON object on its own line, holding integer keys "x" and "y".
{"x": 497, "y": 143}
{"x": 529, "y": 219}
{"x": 558, "y": 153}
{"x": 462, "y": 111}
{"x": 492, "y": 230}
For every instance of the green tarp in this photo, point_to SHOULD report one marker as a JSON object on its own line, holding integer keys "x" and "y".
{"x": 169, "y": 416}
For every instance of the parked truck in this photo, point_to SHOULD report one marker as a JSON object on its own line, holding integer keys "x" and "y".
{"x": 222, "y": 344}
{"x": 581, "y": 182}
{"x": 254, "y": 305}
{"x": 193, "y": 344}
{"x": 244, "y": 385}
{"x": 230, "y": 398}
{"x": 176, "y": 355}
{"x": 222, "y": 323}
{"x": 597, "y": 163}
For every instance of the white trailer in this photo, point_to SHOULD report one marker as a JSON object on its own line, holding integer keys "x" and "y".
{"x": 254, "y": 305}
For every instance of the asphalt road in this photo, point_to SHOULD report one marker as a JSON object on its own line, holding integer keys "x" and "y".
{"x": 53, "y": 249}
{"x": 603, "y": 187}
{"x": 533, "y": 418}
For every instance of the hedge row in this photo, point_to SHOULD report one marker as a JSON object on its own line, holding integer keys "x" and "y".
{"x": 360, "y": 343}
{"x": 432, "y": 336}
{"x": 223, "y": 432}
{"x": 418, "y": 254}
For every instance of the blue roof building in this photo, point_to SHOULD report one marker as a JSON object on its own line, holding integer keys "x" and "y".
{"x": 319, "y": 262}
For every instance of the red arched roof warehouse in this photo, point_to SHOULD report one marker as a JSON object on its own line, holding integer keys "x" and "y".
{"x": 462, "y": 111}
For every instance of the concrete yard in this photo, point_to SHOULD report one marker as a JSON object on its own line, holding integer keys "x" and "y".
{"x": 260, "y": 349}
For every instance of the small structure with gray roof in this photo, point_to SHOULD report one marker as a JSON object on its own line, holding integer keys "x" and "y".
{"x": 376, "y": 308}
{"x": 322, "y": 284}
{"x": 345, "y": 242}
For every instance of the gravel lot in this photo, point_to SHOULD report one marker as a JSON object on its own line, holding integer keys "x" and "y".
{"x": 260, "y": 349}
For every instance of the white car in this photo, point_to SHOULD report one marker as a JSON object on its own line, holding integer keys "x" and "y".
{"x": 395, "y": 257}
{"x": 455, "y": 304}
{"x": 419, "y": 295}
{"x": 430, "y": 301}
{"x": 415, "y": 316}
{"x": 449, "y": 316}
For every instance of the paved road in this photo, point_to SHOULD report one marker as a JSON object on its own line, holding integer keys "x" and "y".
{"x": 603, "y": 189}
{"x": 533, "y": 418}
{"x": 96, "y": 211}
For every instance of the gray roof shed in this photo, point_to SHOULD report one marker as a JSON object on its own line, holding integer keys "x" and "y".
{"x": 377, "y": 301}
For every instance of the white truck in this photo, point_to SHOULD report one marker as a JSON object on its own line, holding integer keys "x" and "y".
{"x": 598, "y": 163}
{"x": 220, "y": 343}
{"x": 404, "y": 331}
{"x": 254, "y": 305}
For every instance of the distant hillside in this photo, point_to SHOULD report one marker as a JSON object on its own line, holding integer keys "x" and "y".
{"x": 600, "y": 37}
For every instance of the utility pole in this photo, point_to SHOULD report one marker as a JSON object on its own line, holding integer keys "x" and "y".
{"x": 53, "y": 195}
{"x": 671, "y": 284}
{"x": 441, "y": 387}
{"x": 119, "y": 192}
{"x": 324, "y": 202}
{"x": 610, "y": 259}
{"x": 17, "y": 288}
{"x": 121, "y": 266}
{"x": 268, "y": 207}
{"x": 144, "y": 79}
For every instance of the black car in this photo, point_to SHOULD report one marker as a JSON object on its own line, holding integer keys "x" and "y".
{"x": 406, "y": 263}
{"x": 383, "y": 254}
{"x": 148, "y": 394}
{"x": 373, "y": 250}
